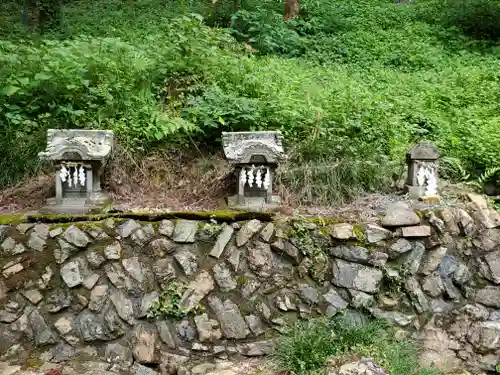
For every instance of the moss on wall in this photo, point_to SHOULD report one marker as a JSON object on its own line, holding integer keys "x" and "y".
{"x": 219, "y": 216}
{"x": 12, "y": 219}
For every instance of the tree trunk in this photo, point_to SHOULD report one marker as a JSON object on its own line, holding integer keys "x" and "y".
{"x": 292, "y": 9}
{"x": 49, "y": 12}
{"x": 31, "y": 13}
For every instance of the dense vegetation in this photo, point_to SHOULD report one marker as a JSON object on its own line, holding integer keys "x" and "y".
{"x": 307, "y": 347}
{"x": 350, "y": 83}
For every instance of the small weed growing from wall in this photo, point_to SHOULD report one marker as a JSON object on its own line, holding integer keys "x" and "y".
{"x": 242, "y": 280}
{"x": 319, "y": 267}
{"x": 360, "y": 235}
{"x": 308, "y": 238}
{"x": 312, "y": 240}
{"x": 169, "y": 304}
{"x": 394, "y": 283}
{"x": 211, "y": 229}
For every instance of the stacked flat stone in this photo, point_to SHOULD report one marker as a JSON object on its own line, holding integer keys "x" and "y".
{"x": 68, "y": 288}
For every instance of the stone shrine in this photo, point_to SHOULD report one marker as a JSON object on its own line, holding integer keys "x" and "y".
{"x": 422, "y": 161}
{"x": 255, "y": 156}
{"x": 79, "y": 158}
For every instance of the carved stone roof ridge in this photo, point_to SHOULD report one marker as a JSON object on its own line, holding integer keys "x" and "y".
{"x": 239, "y": 147}
{"x": 87, "y": 144}
{"x": 423, "y": 151}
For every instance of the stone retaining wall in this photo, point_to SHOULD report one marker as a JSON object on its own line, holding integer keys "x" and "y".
{"x": 175, "y": 293}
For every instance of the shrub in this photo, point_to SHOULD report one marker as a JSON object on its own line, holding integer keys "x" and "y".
{"x": 319, "y": 18}
{"x": 96, "y": 83}
{"x": 478, "y": 18}
{"x": 10, "y": 17}
{"x": 267, "y": 32}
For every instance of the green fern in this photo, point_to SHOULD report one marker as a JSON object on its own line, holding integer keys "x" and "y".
{"x": 488, "y": 175}
{"x": 453, "y": 169}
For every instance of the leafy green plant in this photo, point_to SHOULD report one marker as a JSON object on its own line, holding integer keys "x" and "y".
{"x": 211, "y": 229}
{"x": 267, "y": 32}
{"x": 305, "y": 347}
{"x": 359, "y": 233}
{"x": 478, "y": 18}
{"x": 168, "y": 305}
{"x": 394, "y": 279}
{"x": 90, "y": 82}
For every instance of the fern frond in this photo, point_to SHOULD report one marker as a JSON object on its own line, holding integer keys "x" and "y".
{"x": 488, "y": 175}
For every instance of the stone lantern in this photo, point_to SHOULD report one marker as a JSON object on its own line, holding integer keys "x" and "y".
{"x": 422, "y": 161}
{"x": 79, "y": 158}
{"x": 255, "y": 156}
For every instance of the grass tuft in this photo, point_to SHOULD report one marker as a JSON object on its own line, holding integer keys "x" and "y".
{"x": 314, "y": 182}
{"x": 306, "y": 346}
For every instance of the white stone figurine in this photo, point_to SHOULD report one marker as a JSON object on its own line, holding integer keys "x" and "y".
{"x": 243, "y": 176}
{"x": 250, "y": 176}
{"x": 255, "y": 155}
{"x": 426, "y": 178}
{"x": 421, "y": 175}
{"x": 267, "y": 179}
{"x": 431, "y": 188}
{"x": 75, "y": 176}
{"x": 422, "y": 178}
{"x": 70, "y": 178}
{"x": 63, "y": 173}
{"x": 78, "y": 157}
{"x": 81, "y": 176}
{"x": 258, "y": 178}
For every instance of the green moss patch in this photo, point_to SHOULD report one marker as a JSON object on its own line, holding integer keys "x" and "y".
{"x": 219, "y": 216}
{"x": 34, "y": 363}
{"x": 12, "y": 219}
{"x": 359, "y": 233}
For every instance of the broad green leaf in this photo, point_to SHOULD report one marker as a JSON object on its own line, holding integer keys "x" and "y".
{"x": 24, "y": 81}
{"x": 42, "y": 76}
{"x": 10, "y": 90}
